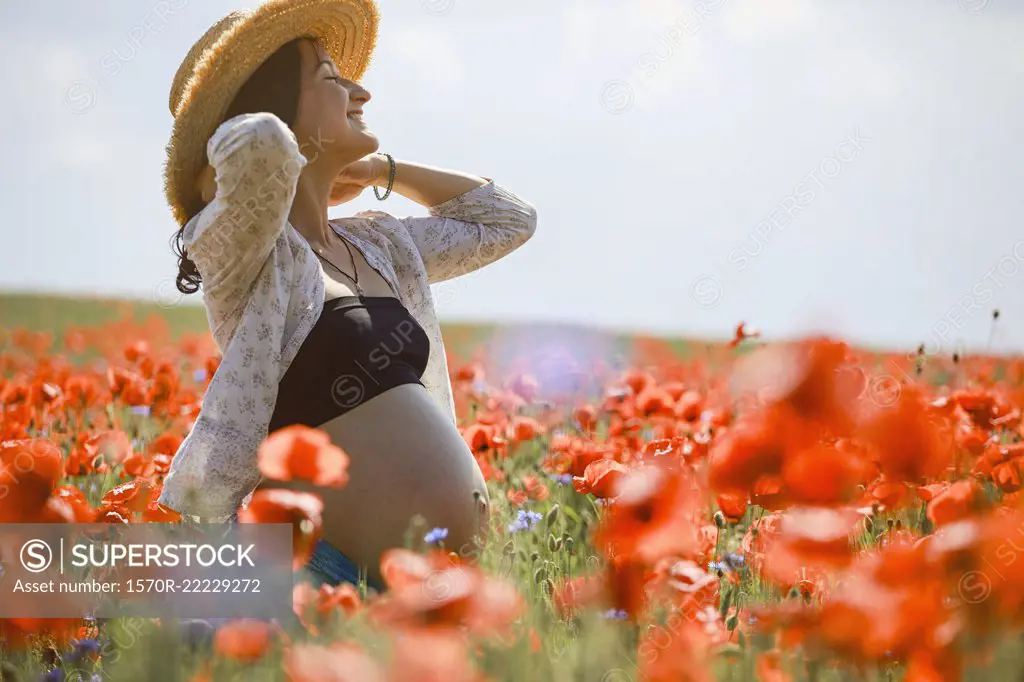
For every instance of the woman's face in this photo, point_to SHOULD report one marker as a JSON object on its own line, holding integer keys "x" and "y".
{"x": 329, "y": 118}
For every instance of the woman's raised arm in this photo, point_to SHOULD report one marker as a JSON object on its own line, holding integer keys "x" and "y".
{"x": 473, "y": 221}
{"x": 257, "y": 162}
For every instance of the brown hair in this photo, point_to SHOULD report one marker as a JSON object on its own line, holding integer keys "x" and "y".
{"x": 274, "y": 88}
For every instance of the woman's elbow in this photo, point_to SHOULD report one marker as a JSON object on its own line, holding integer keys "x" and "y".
{"x": 529, "y": 222}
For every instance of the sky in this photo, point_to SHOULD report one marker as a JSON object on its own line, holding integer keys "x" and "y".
{"x": 850, "y": 167}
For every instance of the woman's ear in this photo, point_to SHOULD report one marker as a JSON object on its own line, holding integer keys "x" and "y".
{"x": 206, "y": 183}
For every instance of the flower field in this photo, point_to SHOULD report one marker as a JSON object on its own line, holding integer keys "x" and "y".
{"x": 746, "y": 511}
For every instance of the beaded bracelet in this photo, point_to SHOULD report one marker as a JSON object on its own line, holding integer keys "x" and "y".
{"x": 391, "y": 178}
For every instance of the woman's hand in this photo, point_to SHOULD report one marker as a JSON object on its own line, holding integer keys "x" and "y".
{"x": 357, "y": 176}
{"x": 207, "y": 184}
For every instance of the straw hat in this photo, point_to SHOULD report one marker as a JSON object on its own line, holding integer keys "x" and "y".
{"x": 220, "y": 63}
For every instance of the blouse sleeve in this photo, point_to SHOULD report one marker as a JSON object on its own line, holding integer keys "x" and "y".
{"x": 471, "y": 230}
{"x": 257, "y": 162}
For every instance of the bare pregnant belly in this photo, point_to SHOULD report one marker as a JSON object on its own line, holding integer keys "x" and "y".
{"x": 406, "y": 459}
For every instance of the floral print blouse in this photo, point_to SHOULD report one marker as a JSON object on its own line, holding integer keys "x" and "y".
{"x": 263, "y": 289}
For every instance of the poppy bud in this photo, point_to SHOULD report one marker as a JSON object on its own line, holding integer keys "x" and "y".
{"x": 510, "y": 547}
{"x": 552, "y": 516}
{"x": 720, "y": 519}
{"x": 956, "y": 358}
{"x": 554, "y": 544}
{"x": 731, "y": 622}
{"x": 540, "y": 575}
{"x": 569, "y": 542}
{"x": 920, "y": 349}
{"x": 534, "y": 556}
{"x": 995, "y": 314}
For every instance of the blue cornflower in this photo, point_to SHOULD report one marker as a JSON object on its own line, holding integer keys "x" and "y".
{"x": 199, "y": 375}
{"x": 615, "y": 614}
{"x": 55, "y": 675}
{"x": 735, "y": 561}
{"x": 435, "y": 536}
{"x": 141, "y": 410}
{"x": 717, "y": 566}
{"x": 81, "y": 648}
{"x": 525, "y": 520}
{"x": 563, "y": 479}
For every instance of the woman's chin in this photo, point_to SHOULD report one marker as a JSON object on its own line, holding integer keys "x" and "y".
{"x": 364, "y": 141}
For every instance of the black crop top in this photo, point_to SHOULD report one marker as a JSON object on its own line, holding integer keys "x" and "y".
{"x": 359, "y": 347}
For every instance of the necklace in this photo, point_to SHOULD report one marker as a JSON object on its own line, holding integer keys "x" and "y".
{"x": 355, "y": 270}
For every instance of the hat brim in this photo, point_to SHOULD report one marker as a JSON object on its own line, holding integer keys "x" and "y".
{"x": 347, "y": 29}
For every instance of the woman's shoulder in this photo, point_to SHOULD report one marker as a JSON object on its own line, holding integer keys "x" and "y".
{"x": 379, "y": 228}
{"x": 372, "y": 221}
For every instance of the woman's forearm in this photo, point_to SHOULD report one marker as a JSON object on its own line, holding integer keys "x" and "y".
{"x": 427, "y": 185}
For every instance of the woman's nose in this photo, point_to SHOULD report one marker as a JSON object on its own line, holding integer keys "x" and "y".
{"x": 360, "y": 94}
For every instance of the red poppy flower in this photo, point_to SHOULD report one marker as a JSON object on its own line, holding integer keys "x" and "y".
{"x": 742, "y": 334}
{"x": 756, "y": 446}
{"x": 689, "y": 406}
{"x": 523, "y": 429}
{"x": 536, "y": 488}
{"x": 29, "y": 471}
{"x": 432, "y": 591}
{"x": 110, "y": 447}
{"x": 134, "y": 496}
{"x": 301, "y": 510}
{"x": 653, "y": 516}
{"x": 570, "y": 596}
{"x": 305, "y": 454}
{"x": 822, "y": 474}
{"x": 243, "y": 640}
{"x": 600, "y": 478}
{"x": 482, "y": 438}
{"x": 912, "y": 441}
{"x": 654, "y": 400}
{"x": 806, "y": 377}
{"x": 957, "y": 502}
{"x": 732, "y": 505}
{"x": 810, "y": 542}
{"x": 585, "y": 417}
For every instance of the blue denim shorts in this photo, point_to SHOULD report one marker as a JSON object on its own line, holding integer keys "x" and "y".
{"x": 328, "y": 565}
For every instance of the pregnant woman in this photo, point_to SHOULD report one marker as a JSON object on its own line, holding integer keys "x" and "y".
{"x": 323, "y": 322}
